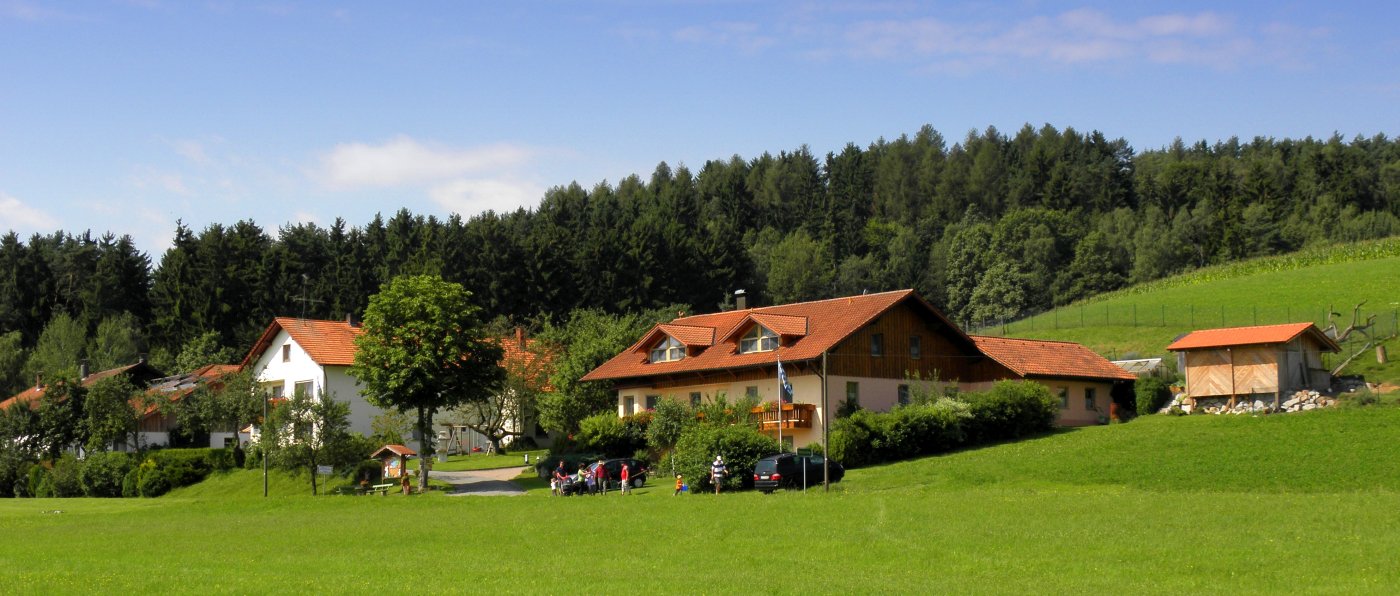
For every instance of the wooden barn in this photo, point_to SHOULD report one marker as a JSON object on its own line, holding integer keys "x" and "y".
{"x": 1265, "y": 360}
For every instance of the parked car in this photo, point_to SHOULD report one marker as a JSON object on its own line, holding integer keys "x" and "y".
{"x": 636, "y": 472}
{"x": 784, "y": 470}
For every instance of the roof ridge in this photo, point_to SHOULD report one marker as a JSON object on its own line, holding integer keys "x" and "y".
{"x": 1042, "y": 341}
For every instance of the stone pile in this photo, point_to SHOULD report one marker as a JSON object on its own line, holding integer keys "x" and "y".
{"x": 1300, "y": 401}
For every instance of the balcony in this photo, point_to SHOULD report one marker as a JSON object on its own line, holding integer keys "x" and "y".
{"x": 772, "y": 417}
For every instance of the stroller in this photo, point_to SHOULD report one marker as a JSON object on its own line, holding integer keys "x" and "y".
{"x": 574, "y": 485}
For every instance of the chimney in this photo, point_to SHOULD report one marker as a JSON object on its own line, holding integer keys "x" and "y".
{"x": 520, "y": 337}
{"x": 351, "y": 320}
{"x": 741, "y": 300}
{"x": 82, "y": 369}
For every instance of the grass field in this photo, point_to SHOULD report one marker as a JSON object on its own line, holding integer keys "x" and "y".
{"x": 1302, "y": 502}
{"x": 1140, "y": 322}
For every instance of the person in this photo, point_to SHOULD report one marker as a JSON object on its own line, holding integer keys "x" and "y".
{"x": 600, "y": 478}
{"x": 585, "y": 480}
{"x": 680, "y": 485}
{"x": 556, "y": 482}
{"x": 717, "y": 472}
{"x": 626, "y": 480}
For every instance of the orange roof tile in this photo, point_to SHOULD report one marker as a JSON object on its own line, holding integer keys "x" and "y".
{"x": 521, "y": 353}
{"x": 329, "y": 343}
{"x": 1258, "y": 334}
{"x": 1042, "y": 358}
{"x": 828, "y": 323}
{"x": 396, "y": 450}
{"x": 31, "y": 395}
{"x": 690, "y": 335}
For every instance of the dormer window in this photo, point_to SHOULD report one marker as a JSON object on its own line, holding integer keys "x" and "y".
{"x": 758, "y": 339}
{"x": 668, "y": 351}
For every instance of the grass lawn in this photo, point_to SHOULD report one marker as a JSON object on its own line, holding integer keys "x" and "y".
{"x": 1299, "y": 502}
{"x": 1141, "y": 322}
{"x": 482, "y": 461}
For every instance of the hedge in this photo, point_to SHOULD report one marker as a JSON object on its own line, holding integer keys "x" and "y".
{"x": 1011, "y": 409}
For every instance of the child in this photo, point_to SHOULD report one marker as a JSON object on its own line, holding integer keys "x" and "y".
{"x": 680, "y": 485}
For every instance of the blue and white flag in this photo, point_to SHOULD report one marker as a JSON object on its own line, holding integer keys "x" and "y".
{"x": 784, "y": 387}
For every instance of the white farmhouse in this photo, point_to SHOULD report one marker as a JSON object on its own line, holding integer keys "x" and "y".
{"x": 311, "y": 356}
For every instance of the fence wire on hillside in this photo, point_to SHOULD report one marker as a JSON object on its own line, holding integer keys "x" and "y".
{"x": 1183, "y": 318}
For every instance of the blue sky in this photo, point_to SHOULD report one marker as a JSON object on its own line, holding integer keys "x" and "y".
{"x": 129, "y": 115}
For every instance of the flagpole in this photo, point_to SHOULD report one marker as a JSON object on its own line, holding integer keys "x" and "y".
{"x": 780, "y": 405}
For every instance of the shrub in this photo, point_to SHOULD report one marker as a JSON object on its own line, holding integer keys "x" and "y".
{"x": 12, "y": 468}
{"x": 1152, "y": 394}
{"x": 741, "y": 445}
{"x": 1012, "y": 409}
{"x": 153, "y": 481}
{"x": 130, "y": 487}
{"x": 221, "y": 459}
{"x": 64, "y": 477}
{"x": 36, "y": 476}
{"x": 103, "y": 473}
{"x": 669, "y": 419}
{"x": 616, "y": 437}
{"x": 369, "y": 470}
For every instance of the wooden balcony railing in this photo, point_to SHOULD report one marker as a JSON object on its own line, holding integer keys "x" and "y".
{"x": 772, "y": 417}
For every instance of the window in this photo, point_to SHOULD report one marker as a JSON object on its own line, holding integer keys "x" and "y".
{"x": 651, "y": 401}
{"x": 668, "y": 351}
{"x": 751, "y": 391}
{"x": 1089, "y": 397}
{"x": 877, "y": 344}
{"x": 916, "y": 347}
{"x": 629, "y": 405}
{"x": 903, "y": 395}
{"x": 274, "y": 390}
{"x": 758, "y": 339}
{"x": 1064, "y": 398}
{"x": 304, "y": 388}
{"x": 694, "y": 399}
{"x": 286, "y": 352}
{"x": 852, "y": 393}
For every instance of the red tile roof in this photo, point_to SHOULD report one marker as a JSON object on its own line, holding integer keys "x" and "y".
{"x": 520, "y": 354}
{"x": 1259, "y": 334}
{"x": 827, "y": 323}
{"x": 329, "y": 343}
{"x": 396, "y": 450}
{"x": 31, "y": 395}
{"x": 1041, "y": 358}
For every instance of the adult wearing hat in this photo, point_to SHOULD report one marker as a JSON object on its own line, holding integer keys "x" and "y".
{"x": 718, "y": 472}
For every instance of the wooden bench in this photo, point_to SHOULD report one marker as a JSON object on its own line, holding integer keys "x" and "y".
{"x": 382, "y": 489}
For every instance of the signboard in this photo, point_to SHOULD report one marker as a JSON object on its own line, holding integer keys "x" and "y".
{"x": 323, "y": 470}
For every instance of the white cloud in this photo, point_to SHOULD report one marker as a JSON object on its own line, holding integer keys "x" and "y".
{"x": 744, "y": 36}
{"x": 1072, "y": 37}
{"x": 147, "y": 178}
{"x": 21, "y": 218}
{"x": 405, "y": 161}
{"x": 472, "y": 196}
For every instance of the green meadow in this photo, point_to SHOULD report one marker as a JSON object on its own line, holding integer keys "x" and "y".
{"x": 1303, "y": 502}
{"x": 1141, "y": 321}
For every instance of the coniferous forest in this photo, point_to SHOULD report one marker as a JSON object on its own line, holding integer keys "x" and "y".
{"x": 989, "y": 226}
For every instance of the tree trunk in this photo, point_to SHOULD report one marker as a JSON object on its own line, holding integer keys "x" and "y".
{"x": 313, "y": 477}
{"x": 425, "y": 446}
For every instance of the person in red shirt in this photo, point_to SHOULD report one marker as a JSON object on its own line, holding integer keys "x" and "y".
{"x": 626, "y": 480}
{"x": 680, "y": 485}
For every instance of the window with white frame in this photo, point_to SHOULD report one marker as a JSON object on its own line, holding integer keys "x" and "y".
{"x": 668, "y": 351}
{"x": 629, "y": 405}
{"x": 303, "y": 388}
{"x": 286, "y": 352}
{"x": 758, "y": 339}
{"x": 1090, "y": 399}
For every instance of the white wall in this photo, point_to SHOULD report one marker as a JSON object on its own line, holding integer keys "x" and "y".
{"x": 334, "y": 380}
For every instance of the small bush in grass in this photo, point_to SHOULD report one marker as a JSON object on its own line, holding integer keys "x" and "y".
{"x": 741, "y": 445}
{"x": 35, "y": 476}
{"x": 103, "y": 473}
{"x": 1152, "y": 394}
{"x": 65, "y": 477}
{"x": 130, "y": 486}
{"x": 152, "y": 481}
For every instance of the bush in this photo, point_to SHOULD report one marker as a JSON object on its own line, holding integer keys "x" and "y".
{"x": 130, "y": 488}
{"x": 1152, "y": 394}
{"x": 667, "y": 422}
{"x": 369, "y": 470}
{"x": 616, "y": 437}
{"x": 12, "y": 469}
{"x": 103, "y": 473}
{"x": 1012, "y": 409}
{"x": 36, "y": 476}
{"x": 153, "y": 480}
{"x": 741, "y": 445}
{"x": 65, "y": 477}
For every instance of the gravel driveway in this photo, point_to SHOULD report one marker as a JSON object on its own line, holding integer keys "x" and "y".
{"x": 486, "y": 483}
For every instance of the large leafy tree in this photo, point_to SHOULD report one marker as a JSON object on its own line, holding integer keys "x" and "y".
{"x": 112, "y": 412}
{"x": 424, "y": 349}
{"x": 308, "y": 431}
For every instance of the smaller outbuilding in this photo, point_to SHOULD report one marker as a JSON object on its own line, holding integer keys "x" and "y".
{"x": 1257, "y": 361}
{"x": 394, "y": 459}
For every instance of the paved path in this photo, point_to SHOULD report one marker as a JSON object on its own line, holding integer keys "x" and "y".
{"x": 487, "y": 483}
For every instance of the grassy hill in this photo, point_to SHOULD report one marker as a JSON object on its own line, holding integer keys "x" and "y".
{"x": 1160, "y": 505}
{"x": 1140, "y": 321}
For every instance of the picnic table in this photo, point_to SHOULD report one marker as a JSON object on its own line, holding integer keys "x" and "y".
{"x": 382, "y": 489}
